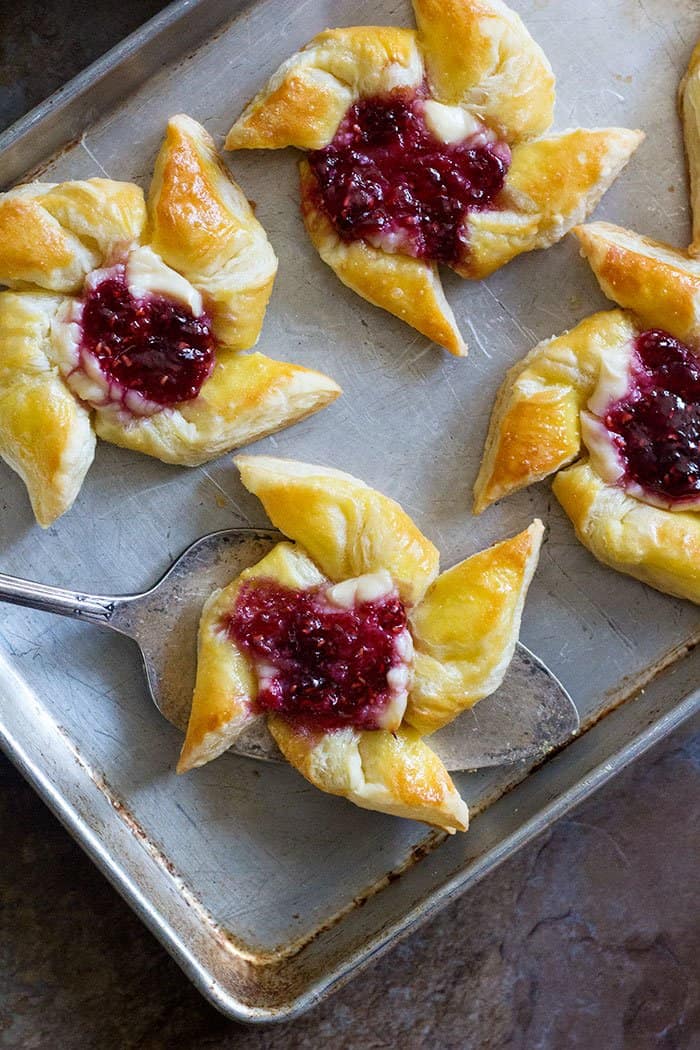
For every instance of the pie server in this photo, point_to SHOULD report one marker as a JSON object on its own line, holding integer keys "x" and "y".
{"x": 528, "y": 716}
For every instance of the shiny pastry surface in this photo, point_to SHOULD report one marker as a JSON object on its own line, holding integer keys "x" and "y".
{"x": 126, "y": 319}
{"x": 352, "y": 644}
{"x": 424, "y": 147}
{"x": 689, "y": 108}
{"x": 620, "y": 393}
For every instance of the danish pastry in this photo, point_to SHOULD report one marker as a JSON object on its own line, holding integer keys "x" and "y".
{"x": 622, "y": 391}
{"x": 124, "y": 320}
{"x": 352, "y": 645}
{"x": 424, "y": 148}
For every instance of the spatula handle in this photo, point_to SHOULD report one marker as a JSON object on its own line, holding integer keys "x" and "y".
{"x": 56, "y": 600}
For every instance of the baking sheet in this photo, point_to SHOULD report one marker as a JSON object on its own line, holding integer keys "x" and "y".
{"x": 259, "y": 898}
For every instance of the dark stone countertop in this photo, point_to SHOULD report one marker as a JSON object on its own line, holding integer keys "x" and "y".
{"x": 589, "y": 939}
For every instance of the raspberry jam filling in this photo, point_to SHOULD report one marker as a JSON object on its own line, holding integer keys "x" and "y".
{"x": 323, "y": 666}
{"x": 387, "y": 179}
{"x": 153, "y": 346}
{"x": 655, "y": 427}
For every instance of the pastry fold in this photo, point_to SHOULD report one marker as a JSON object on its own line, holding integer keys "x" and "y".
{"x": 479, "y": 54}
{"x": 203, "y": 226}
{"x": 651, "y": 544}
{"x": 53, "y": 235}
{"x": 45, "y": 434}
{"x": 551, "y": 185}
{"x": 466, "y": 627}
{"x": 305, "y": 100}
{"x": 408, "y": 288}
{"x": 223, "y": 704}
{"x": 347, "y": 527}
{"x": 535, "y": 425}
{"x": 395, "y": 773}
{"x": 659, "y": 283}
{"x": 246, "y": 398}
{"x": 689, "y": 107}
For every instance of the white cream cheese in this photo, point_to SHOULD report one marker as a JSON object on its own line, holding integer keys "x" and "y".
{"x": 603, "y": 454}
{"x": 147, "y": 274}
{"x": 397, "y": 75}
{"x": 372, "y": 587}
{"x": 614, "y": 381}
{"x": 614, "y": 378}
{"x": 368, "y": 588}
{"x": 452, "y": 124}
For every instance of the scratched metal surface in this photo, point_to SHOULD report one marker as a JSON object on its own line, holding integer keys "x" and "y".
{"x": 237, "y": 866}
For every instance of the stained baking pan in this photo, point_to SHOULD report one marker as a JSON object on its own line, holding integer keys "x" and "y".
{"x": 267, "y": 892}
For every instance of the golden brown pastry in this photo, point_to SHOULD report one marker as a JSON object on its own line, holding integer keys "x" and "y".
{"x": 126, "y": 321}
{"x": 622, "y": 391}
{"x": 423, "y": 147}
{"x": 45, "y": 432}
{"x": 352, "y": 645}
{"x": 689, "y": 107}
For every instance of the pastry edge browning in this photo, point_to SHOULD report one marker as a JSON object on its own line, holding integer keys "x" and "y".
{"x": 652, "y": 545}
{"x": 347, "y": 527}
{"x": 451, "y": 674}
{"x": 265, "y": 396}
{"x": 654, "y": 280}
{"x": 305, "y": 100}
{"x": 535, "y": 426}
{"x": 226, "y": 684}
{"x": 408, "y": 288}
{"x": 395, "y": 773}
{"x": 45, "y": 434}
{"x": 479, "y": 53}
{"x": 552, "y": 185}
{"x": 225, "y": 252}
{"x": 689, "y": 109}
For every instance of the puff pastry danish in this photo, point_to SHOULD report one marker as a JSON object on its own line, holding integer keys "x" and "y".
{"x": 423, "y": 147}
{"x": 621, "y": 391}
{"x": 352, "y": 645}
{"x": 125, "y": 319}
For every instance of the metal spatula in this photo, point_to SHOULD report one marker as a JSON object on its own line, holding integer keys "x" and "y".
{"x": 528, "y": 716}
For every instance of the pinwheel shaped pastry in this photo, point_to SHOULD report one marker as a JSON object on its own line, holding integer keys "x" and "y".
{"x": 423, "y": 148}
{"x": 352, "y": 645}
{"x": 620, "y": 393}
{"x": 125, "y": 321}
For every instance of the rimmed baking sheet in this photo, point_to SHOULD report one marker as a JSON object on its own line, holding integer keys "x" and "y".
{"x": 267, "y": 891}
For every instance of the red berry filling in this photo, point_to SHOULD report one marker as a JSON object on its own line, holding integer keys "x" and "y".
{"x": 385, "y": 178}
{"x": 655, "y": 427}
{"x": 321, "y": 666}
{"x": 153, "y": 346}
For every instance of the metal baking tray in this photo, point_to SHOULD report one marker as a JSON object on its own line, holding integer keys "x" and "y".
{"x": 267, "y": 892}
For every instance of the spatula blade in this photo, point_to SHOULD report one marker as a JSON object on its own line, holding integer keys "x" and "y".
{"x": 528, "y": 716}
